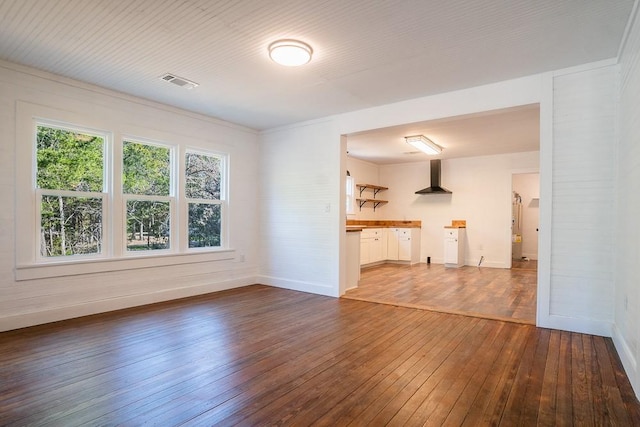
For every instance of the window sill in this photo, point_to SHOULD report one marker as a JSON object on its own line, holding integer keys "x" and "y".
{"x": 76, "y": 267}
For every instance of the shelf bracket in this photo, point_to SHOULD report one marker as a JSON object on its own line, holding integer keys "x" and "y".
{"x": 375, "y": 205}
{"x": 375, "y": 192}
{"x": 361, "y": 203}
{"x": 361, "y": 190}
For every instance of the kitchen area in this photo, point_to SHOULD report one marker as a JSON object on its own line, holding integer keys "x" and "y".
{"x": 428, "y": 225}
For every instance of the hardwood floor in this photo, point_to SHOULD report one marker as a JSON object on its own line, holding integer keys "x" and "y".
{"x": 265, "y": 356}
{"x": 491, "y": 293}
{"x": 525, "y": 264}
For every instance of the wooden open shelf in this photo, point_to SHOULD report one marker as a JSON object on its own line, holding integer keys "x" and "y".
{"x": 376, "y": 189}
{"x": 375, "y": 202}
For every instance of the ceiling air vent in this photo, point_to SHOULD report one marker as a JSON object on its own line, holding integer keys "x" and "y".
{"x": 179, "y": 81}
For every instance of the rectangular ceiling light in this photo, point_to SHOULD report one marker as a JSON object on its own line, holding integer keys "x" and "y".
{"x": 424, "y": 144}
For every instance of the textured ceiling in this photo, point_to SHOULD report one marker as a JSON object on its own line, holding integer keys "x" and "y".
{"x": 367, "y": 53}
{"x": 510, "y": 130}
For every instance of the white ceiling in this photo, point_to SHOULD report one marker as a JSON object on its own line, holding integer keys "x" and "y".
{"x": 367, "y": 53}
{"x": 509, "y": 130}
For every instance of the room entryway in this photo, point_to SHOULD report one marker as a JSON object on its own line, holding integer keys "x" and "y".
{"x": 525, "y": 206}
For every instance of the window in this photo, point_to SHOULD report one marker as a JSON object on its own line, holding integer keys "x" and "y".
{"x": 95, "y": 198}
{"x": 146, "y": 185}
{"x": 70, "y": 191}
{"x": 203, "y": 190}
{"x": 350, "y": 190}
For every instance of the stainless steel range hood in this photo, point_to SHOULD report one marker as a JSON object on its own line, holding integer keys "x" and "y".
{"x": 435, "y": 187}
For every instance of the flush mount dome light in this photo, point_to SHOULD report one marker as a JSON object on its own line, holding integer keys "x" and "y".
{"x": 424, "y": 144}
{"x": 291, "y": 53}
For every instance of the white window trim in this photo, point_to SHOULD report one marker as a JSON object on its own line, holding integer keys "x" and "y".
{"x": 223, "y": 201}
{"x": 350, "y": 195}
{"x": 90, "y": 266}
{"x": 114, "y": 257}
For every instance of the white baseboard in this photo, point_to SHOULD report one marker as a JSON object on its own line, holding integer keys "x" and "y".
{"x": 128, "y": 301}
{"x": 296, "y": 285}
{"x": 485, "y": 263}
{"x": 573, "y": 324}
{"x": 628, "y": 359}
{"x": 489, "y": 264}
{"x": 471, "y": 263}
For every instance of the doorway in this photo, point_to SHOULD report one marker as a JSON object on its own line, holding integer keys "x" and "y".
{"x": 525, "y": 206}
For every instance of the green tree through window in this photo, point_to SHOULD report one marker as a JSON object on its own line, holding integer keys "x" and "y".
{"x": 203, "y": 179}
{"x": 70, "y": 176}
{"x": 154, "y": 209}
{"x": 147, "y": 178}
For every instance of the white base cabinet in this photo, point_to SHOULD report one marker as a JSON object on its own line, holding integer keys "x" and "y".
{"x": 454, "y": 247}
{"x": 373, "y": 246}
{"x": 403, "y": 244}
{"x": 390, "y": 244}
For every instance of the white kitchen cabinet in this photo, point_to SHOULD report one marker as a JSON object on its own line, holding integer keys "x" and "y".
{"x": 373, "y": 245}
{"x": 392, "y": 244}
{"x": 454, "y": 247}
{"x": 364, "y": 250}
{"x": 377, "y": 250}
{"x": 404, "y": 247}
{"x": 403, "y": 244}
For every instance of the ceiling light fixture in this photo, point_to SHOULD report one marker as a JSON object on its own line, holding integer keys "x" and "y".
{"x": 424, "y": 144}
{"x": 291, "y": 53}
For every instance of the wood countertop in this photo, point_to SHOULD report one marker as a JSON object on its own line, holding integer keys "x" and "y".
{"x": 385, "y": 223}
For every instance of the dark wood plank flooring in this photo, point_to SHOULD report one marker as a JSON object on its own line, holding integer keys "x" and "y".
{"x": 266, "y": 356}
{"x": 491, "y": 293}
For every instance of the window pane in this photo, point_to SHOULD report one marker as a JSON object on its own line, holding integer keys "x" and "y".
{"x": 203, "y": 174}
{"x": 204, "y": 225}
{"x": 70, "y": 226}
{"x": 146, "y": 169}
{"x": 69, "y": 160}
{"x": 350, "y": 193}
{"x": 147, "y": 225}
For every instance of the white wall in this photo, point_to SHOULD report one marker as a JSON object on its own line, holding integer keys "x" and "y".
{"x": 477, "y": 179}
{"x": 367, "y": 173}
{"x": 582, "y": 239}
{"x": 301, "y": 213}
{"x": 527, "y": 185}
{"x": 481, "y": 195}
{"x": 302, "y": 170}
{"x": 28, "y": 302}
{"x": 627, "y": 235}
